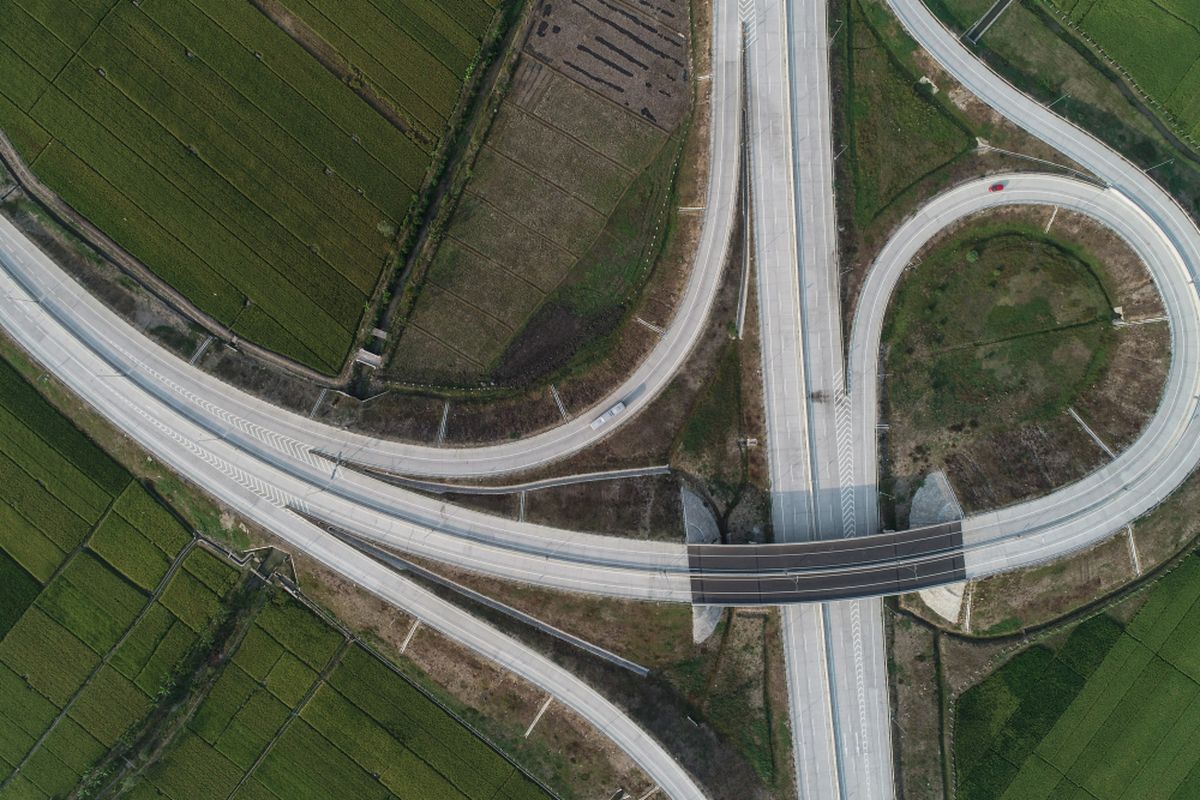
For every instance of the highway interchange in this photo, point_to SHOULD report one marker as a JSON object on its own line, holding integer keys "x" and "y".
{"x": 268, "y": 464}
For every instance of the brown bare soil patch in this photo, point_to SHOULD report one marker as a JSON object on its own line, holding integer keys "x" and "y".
{"x": 915, "y": 707}
{"x": 1030, "y": 597}
{"x": 1003, "y": 467}
{"x": 635, "y": 55}
{"x": 639, "y": 508}
{"x": 1119, "y": 407}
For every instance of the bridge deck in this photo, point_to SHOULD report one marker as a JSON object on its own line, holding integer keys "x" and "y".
{"x": 888, "y": 563}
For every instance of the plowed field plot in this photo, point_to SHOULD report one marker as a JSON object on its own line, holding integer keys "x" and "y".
{"x": 208, "y": 139}
{"x": 564, "y": 213}
{"x": 1156, "y": 41}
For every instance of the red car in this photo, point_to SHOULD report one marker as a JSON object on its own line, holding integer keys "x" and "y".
{"x": 996, "y": 187}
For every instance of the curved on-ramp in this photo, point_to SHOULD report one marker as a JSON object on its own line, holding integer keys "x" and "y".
{"x": 162, "y": 373}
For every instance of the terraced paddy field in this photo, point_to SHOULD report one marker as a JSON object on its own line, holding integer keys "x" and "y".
{"x": 125, "y": 641}
{"x": 1112, "y": 713}
{"x": 1157, "y": 42}
{"x": 260, "y": 158}
{"x": 567, "y": 204}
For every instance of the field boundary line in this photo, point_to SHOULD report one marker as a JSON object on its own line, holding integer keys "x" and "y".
{"x": 237, "y": 190}
{"x": 490, "y": 148}
{"x": 471, "y": 305}
{"x": 294, "y": 712}
{"x": 87, "y": 537}
{"x": 444, "y": 343}
{"x": 293, "y": 589}
{"x": 238, "y": 231}
{"x": 604, "y": 97}
{"x": 125, "y": 262}
{"x": 470, "y": 192}
{"x": 150, "y": 601}
{"x": 633, "y": 173}
{"x": 336, "y": 122}
{"x": 494, "y": 263}
{"x": 387, "y": 97}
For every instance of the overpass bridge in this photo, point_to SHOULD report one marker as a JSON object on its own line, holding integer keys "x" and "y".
{"x": 800, "y": 572}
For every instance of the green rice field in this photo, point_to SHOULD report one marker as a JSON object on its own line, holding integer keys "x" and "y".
{"x": 108, "y": 610}
{"x": 1111, "y": 714}
{"x": 1156, "y": 41}
{"x": 102, "y": 596}
{"x": 215, "y": 148}
{"x": 303, "y": 712}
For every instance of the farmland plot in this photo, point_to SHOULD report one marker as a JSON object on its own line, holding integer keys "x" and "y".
{"x": 86, "y": 558}
{"x": 1156, "y": 41}
{"x": 540, "y": 255}
{"x": 1112, "y": 715}
{"x": 213, "y": 147}
{"x": 301, "y": 712}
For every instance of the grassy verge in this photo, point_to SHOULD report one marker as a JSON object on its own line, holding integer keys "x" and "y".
{"x": 997, "y": 327}
{"x": 898, "y": 131}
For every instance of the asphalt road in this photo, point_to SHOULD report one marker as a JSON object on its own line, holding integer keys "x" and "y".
{"x": 1036, "y": 531}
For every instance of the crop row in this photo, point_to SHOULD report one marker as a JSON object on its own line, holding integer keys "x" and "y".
{"x": 18, "y": 589}
{"x": 23, "y": 401}
{"x": 190, "y": 600}
{"x": 300, "y": 631}
{"x": 92, "y": 601}
{"x": 244, "y": 186}
{"x": 224, "y": 83}
{"x": 420, "y": 87}
{"x": 300, "y": 93}
{"x": 240, "y": 707}
{"x": 428, "y": 731}
{"x": 125, "y": 157}
{"x": 72, "y": 28}
{"x": 179, "y": 130}
{"x": 1155, "y": 42}
{"x": 25, "y": 34}
{"x": 135, "y": 556}
{"x": 41, "y": 507}
{"x": 175, "y": 249}
{"x": 375, "y": 749}
{"x": 61, "y": 707}
{"x": 1109, "y": 715}
{"x": 449, "y": 29}
{"x": 51, "y": 468}
{"x": 406, "y": 747}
